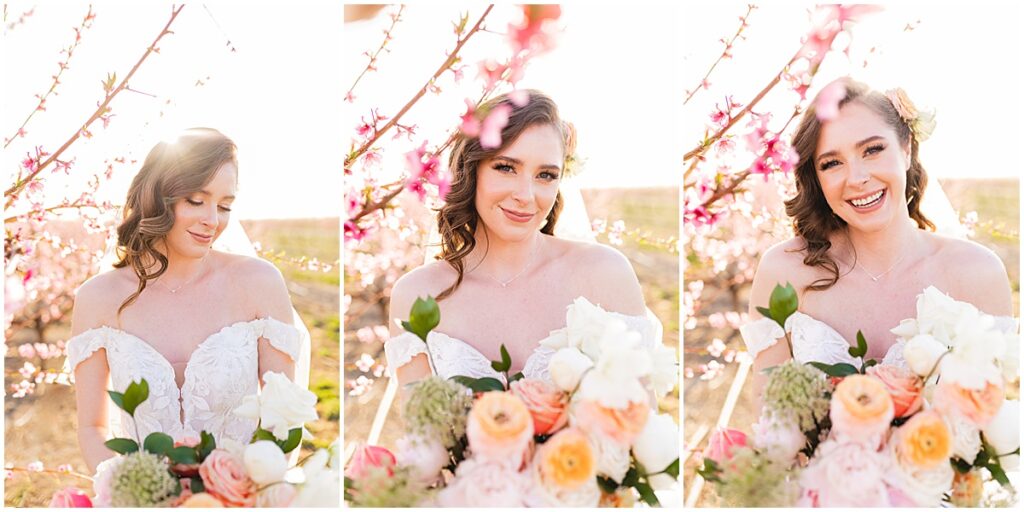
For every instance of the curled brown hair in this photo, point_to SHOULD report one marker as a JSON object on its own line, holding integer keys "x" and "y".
{"x": 813, "y": 219}
{"x": 457, "y": 219}
{"x": 172, "y": 170}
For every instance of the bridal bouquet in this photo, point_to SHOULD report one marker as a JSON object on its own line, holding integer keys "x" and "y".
{"x": 587, "y": 437}
{"x": 881, "y": 435}
{"x": 164, "y": 472}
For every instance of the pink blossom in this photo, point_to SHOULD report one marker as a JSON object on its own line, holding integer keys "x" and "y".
{"x": 519, "y": 97}
{"x": 470, "y": 126}
{"x": 490, "y": 131}
{"x": 36, "y": 466}
{"x": 491, "y": 71}
{"x": 827, "y": 105}
{"x": 534, "y": 32}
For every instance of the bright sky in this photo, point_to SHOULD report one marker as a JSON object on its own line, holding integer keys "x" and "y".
{"x": 963, "y": 61}
{"x": 277, "y": 97}
{"x": 614, "y": 74}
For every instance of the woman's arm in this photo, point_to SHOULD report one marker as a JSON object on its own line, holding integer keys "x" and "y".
{"x": 403, "y": 295}
{"x": 91, "y": 380}
{"x": 611, "y": 282}
{"x": 270, "y": 294}
{"x": 767, "y": 275}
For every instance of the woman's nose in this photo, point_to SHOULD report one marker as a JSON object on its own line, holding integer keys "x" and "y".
{"x": 524, "y": 190}
{"x": 859, "y": 172}
{"x": 210, "y": 217}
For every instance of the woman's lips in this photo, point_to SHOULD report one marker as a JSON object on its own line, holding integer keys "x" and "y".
{"x": 516, "y": 216}
{"x": 872, "y": 206}
{"x": 202, "y": 239}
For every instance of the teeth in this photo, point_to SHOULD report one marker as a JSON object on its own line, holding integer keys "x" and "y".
{"x": 867, "y": 200}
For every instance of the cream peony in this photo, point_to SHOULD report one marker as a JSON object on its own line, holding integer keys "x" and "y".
{"x": 1003, "y": 433}
{"x": 924, "y": 487}
{"x": 657, "y": 446}
{"x": 922, "y": 352}
{"x": 965, "y": 434}
{"x": 586, "y": 324}
{"x": 845, "y": 474}
{"x": 615, "y": 379}
{"x": 480, "y": 483}
{"x": 567, "y": 367}
{"x": 280, "y": 406}
{"x": 265, "y": 462}
{"x": 611, "y": 457}
{"x": 427, "y": 457}
{"x": 780, "y": 439}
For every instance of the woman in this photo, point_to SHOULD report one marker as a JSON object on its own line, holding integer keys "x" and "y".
{"x": 863, "y": 249}
{"x": 502, "y": 276}
{"x": 198, "y": 324}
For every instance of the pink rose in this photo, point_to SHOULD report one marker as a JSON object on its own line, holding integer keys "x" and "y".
{"x": 70, "y": 497}
{"x": 225, "y": 478}
{"x": 903, "y": 386}
{"x": 845, "y": 474}
{"x": 546, "y": 403}
{"x": 370, "y": 456}
{"x": 484, "y": 483}
{"x": 722, "y": 443}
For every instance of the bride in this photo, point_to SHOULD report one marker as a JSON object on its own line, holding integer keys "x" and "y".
{"x": 502, "y": 277}
{"x": 863, "y": 249}
{"x": 200, "y": 325}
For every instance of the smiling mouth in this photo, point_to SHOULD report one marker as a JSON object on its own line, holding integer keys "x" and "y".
{"x": 867, "y": 201}
{"x": 201, "y": 238}
{"x": 516, "y": 216}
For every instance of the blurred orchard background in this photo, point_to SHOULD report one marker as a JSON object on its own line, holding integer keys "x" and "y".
{"x": 749, "y": 72}
{"x": 87, "y": 91}
{"x": 414, "y": 69}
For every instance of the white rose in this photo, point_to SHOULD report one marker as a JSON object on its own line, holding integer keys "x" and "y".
{"x": 664, "y": 372}
{"x": 320, "y": 486}
{"x": 567, "y": 366}
{"x": 906, "y": 329}
{"x": 922, "y": 352}
{"x": 264, "y": 462}
{"x": 938, "y": 314}
{"x": 657, "y": 446}
{"x": 1003, "y": 433}
{"x": 556, "y": 340}
{"x": 615, "y": 379}
{"x": 966, "y": 436}
{"x": 611, "y": 458}
{"x": 585, "y": 324}
{"x": 973, "y": 360}
{"x": 427, "y": 457}
{"x": 281, "y": 405}
{"x": 780, "y": 439}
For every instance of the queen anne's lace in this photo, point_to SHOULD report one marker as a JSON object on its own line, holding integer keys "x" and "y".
{"x": 220, "y": 372}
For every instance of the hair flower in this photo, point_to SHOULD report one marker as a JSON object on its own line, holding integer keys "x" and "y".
{"x": 921, "y": 121}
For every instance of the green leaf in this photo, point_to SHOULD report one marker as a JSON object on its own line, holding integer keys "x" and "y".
{"x": 997, "y": 472}
{"x": 835, "y": 370}
{"x": 647, "y": 494}
{"x": 480, "y": 385}
{"x": 262, "y": 434}
{"x": 869, "y": 363}
{"x": 197, "y": 485}
{"x": 632, "y": 478}
{"x": 182, "y": 455}
{"x": 606, "y": 484}
{"x": 207, "y": 444}
{"x": 158, "y": 443}
{"x": 136, "y": 393}
{"x": 423, "y": 317}
{"x": 117, "y": 398}
{"x": 710, "y": 471}
{"x": 960, "y": 465}
{"x": 516, "y": 377}
{"x": 765, "y": 312}
{"x": 294, "y": 438}
{"x": 673, "y": 469}
{"x": 782, "y": 303}
{"x": 506, "y": 361}
{"x": 122, "y": 446}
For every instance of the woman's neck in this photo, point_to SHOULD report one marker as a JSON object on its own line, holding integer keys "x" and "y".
{"x": 180, "y": 269}
{"x": 502, "y": 260}
{"x": 879, "y": 251}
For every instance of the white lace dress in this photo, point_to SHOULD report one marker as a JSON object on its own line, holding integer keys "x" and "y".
{"x": 451, "y": 356}
{"x": 814, "y": 340}
{"x": 220, "y": 372}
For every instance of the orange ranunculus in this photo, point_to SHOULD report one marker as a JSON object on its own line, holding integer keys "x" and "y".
{"x": 904, "y": 387}
{"x": 202, "y": 500}
{"x": 978, "y": 406}
{"x": 861, "y": 407}
{"x": 547, "y": 404}
{"x": 621, "y": 425}
{"x": 924, "y": 440}
{"x": 566, "y": 461}
{"x": 499, "y": 427}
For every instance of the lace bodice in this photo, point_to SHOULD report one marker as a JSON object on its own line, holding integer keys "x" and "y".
{"x": 814, "y": 340}
{"x": 220, "y": 372}
{"x": 453, "y": 357}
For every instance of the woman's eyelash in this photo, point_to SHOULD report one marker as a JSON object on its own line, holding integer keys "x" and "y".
{"x": 225, "y": 208}
{"x": 549, "y": 175}
{"x": 194, "y": 202}
{"x": 828, "y": 164}
{"x": 503, "y": 167}
{"x": 875, "y": 148}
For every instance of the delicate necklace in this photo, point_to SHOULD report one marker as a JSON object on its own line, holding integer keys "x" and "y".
{"x": 186, "y": 283}
{"x": 875, "y": 278}
{"x": 521, "y": 272}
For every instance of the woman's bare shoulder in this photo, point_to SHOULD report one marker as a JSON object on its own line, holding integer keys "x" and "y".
{"x": 99, "y": 297}
{"x": 604, "y": 275}
{"x": 976, "y": 274}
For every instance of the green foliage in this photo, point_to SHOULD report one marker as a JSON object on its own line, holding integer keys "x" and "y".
{"x": 121, "y": 445}
{"x": 423, "y": 317}
{"x": 158, "y": 443}
{"x": 480, "y": 385}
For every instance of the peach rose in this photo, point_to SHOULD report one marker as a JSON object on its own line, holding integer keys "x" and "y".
{"x": 202, "y": 500}
{"x": 499, "y": 427}
{"x": 978, "y": 406}
{"x": 225, "y": 479}
{"x": 621, "y": 425}
{"x": 861, "y": 408}
{"x": 566, "y": 461}
{"x": 370, "y": 456}
{"x": 924, "y": 441}
{"x": 903, "y": 386}
{"x": 70, "y": 497}
{"x": 546, "y": 403}
{"x": 722, "y": 443}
